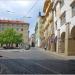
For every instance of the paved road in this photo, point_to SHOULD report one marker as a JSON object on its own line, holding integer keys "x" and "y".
{"x": 34, "y": 61}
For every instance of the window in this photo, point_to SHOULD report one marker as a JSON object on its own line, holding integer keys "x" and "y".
{"x": 2, "y": 28}
{"x": 73, "y": 8}
{"x": 56, "y": 24}
{"x": 63, "y": 18}
{"x": 62, "y": 3}
{"x": 17, "y": 29}
{"x": 21, "y": 29}
{"x": 55, "y": 11}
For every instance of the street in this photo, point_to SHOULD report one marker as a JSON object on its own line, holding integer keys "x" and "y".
{"x": 34, "y": 61}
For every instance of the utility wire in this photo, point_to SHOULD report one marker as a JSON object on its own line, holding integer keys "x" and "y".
{"x": 32, "y": 7}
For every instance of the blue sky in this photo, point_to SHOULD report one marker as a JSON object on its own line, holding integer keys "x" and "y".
{"x": 20, "y": 9}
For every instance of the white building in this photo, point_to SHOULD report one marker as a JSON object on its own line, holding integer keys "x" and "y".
{"x": 64, "y": 26}
{"x": 38, "y": 28}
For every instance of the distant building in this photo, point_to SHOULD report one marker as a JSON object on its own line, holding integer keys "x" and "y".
{"x": 19, "y": 26}
{"x": 38, "y": 32}
{"x": 48, "y": 27}
{"x": 32, "y": 40}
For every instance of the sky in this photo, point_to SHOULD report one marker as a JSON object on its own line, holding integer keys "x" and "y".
{"x": 26, "y": 10}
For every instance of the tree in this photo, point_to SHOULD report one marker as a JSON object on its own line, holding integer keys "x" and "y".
{"x": 18, "y": 39}
{"x": 10, "y": 37}
{"x": 1, "y": 38}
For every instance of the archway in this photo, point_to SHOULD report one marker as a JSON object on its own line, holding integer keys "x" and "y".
{"x": 72, "y": 42}
{"x": 73, "y": 32}
{"x": 53, "y": 43}
{"x": 62, "y": 43}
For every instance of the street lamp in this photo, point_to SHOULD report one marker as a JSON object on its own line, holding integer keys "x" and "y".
{"x": 10, "y": 11}
{"x": 26, "y": 17}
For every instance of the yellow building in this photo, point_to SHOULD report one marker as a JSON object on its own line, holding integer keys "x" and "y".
{"x": 19, "y": 26}
{"x": 59, "y": 26}
{"x": 41, "y": 32}
{"x": 48, "y": 22}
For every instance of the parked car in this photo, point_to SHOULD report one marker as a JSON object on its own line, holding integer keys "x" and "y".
{"x": 27, "y": 47}
{"x": 7, "y": 47}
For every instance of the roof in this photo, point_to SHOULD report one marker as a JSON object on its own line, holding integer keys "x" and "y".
{"x": 12, "y": 22}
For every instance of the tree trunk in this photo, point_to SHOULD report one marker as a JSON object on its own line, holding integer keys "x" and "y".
{"x": 16, "y": 45}
{"x": 6, "y": 45}
{"x": 11, "y": 44}
{"x": 1, "y": 45}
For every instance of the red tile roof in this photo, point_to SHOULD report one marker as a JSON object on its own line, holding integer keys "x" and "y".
{"x": 12, "y": 22}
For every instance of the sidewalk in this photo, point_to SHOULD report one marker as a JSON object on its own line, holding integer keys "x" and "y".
{"x": 11, "y": 50}
{"x": 60, "y": 63}
{"x": 60, "y": 56}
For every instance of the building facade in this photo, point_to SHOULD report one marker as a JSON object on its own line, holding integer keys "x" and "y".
{"x": 48, "y": 27}
{"x": 64, "y": 26}
{"x": 37, "y": 35}
{"x": 32, "y": 40}
{"x": 38, "y": 32}
{"x": 58, "y": 26}
{"x": 19, "y": 26}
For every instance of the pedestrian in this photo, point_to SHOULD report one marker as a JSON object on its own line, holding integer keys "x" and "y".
{"x": 45, "y": 47}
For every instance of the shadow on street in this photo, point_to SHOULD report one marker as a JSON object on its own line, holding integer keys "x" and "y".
{"x": 21, "y": 66}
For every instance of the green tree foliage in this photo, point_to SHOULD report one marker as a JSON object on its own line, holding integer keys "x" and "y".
{"x": 10, "y": 37}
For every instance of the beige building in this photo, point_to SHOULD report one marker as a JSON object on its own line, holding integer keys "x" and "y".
{"x": 19, "y": 26}
{"x": 32, "y": 40}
